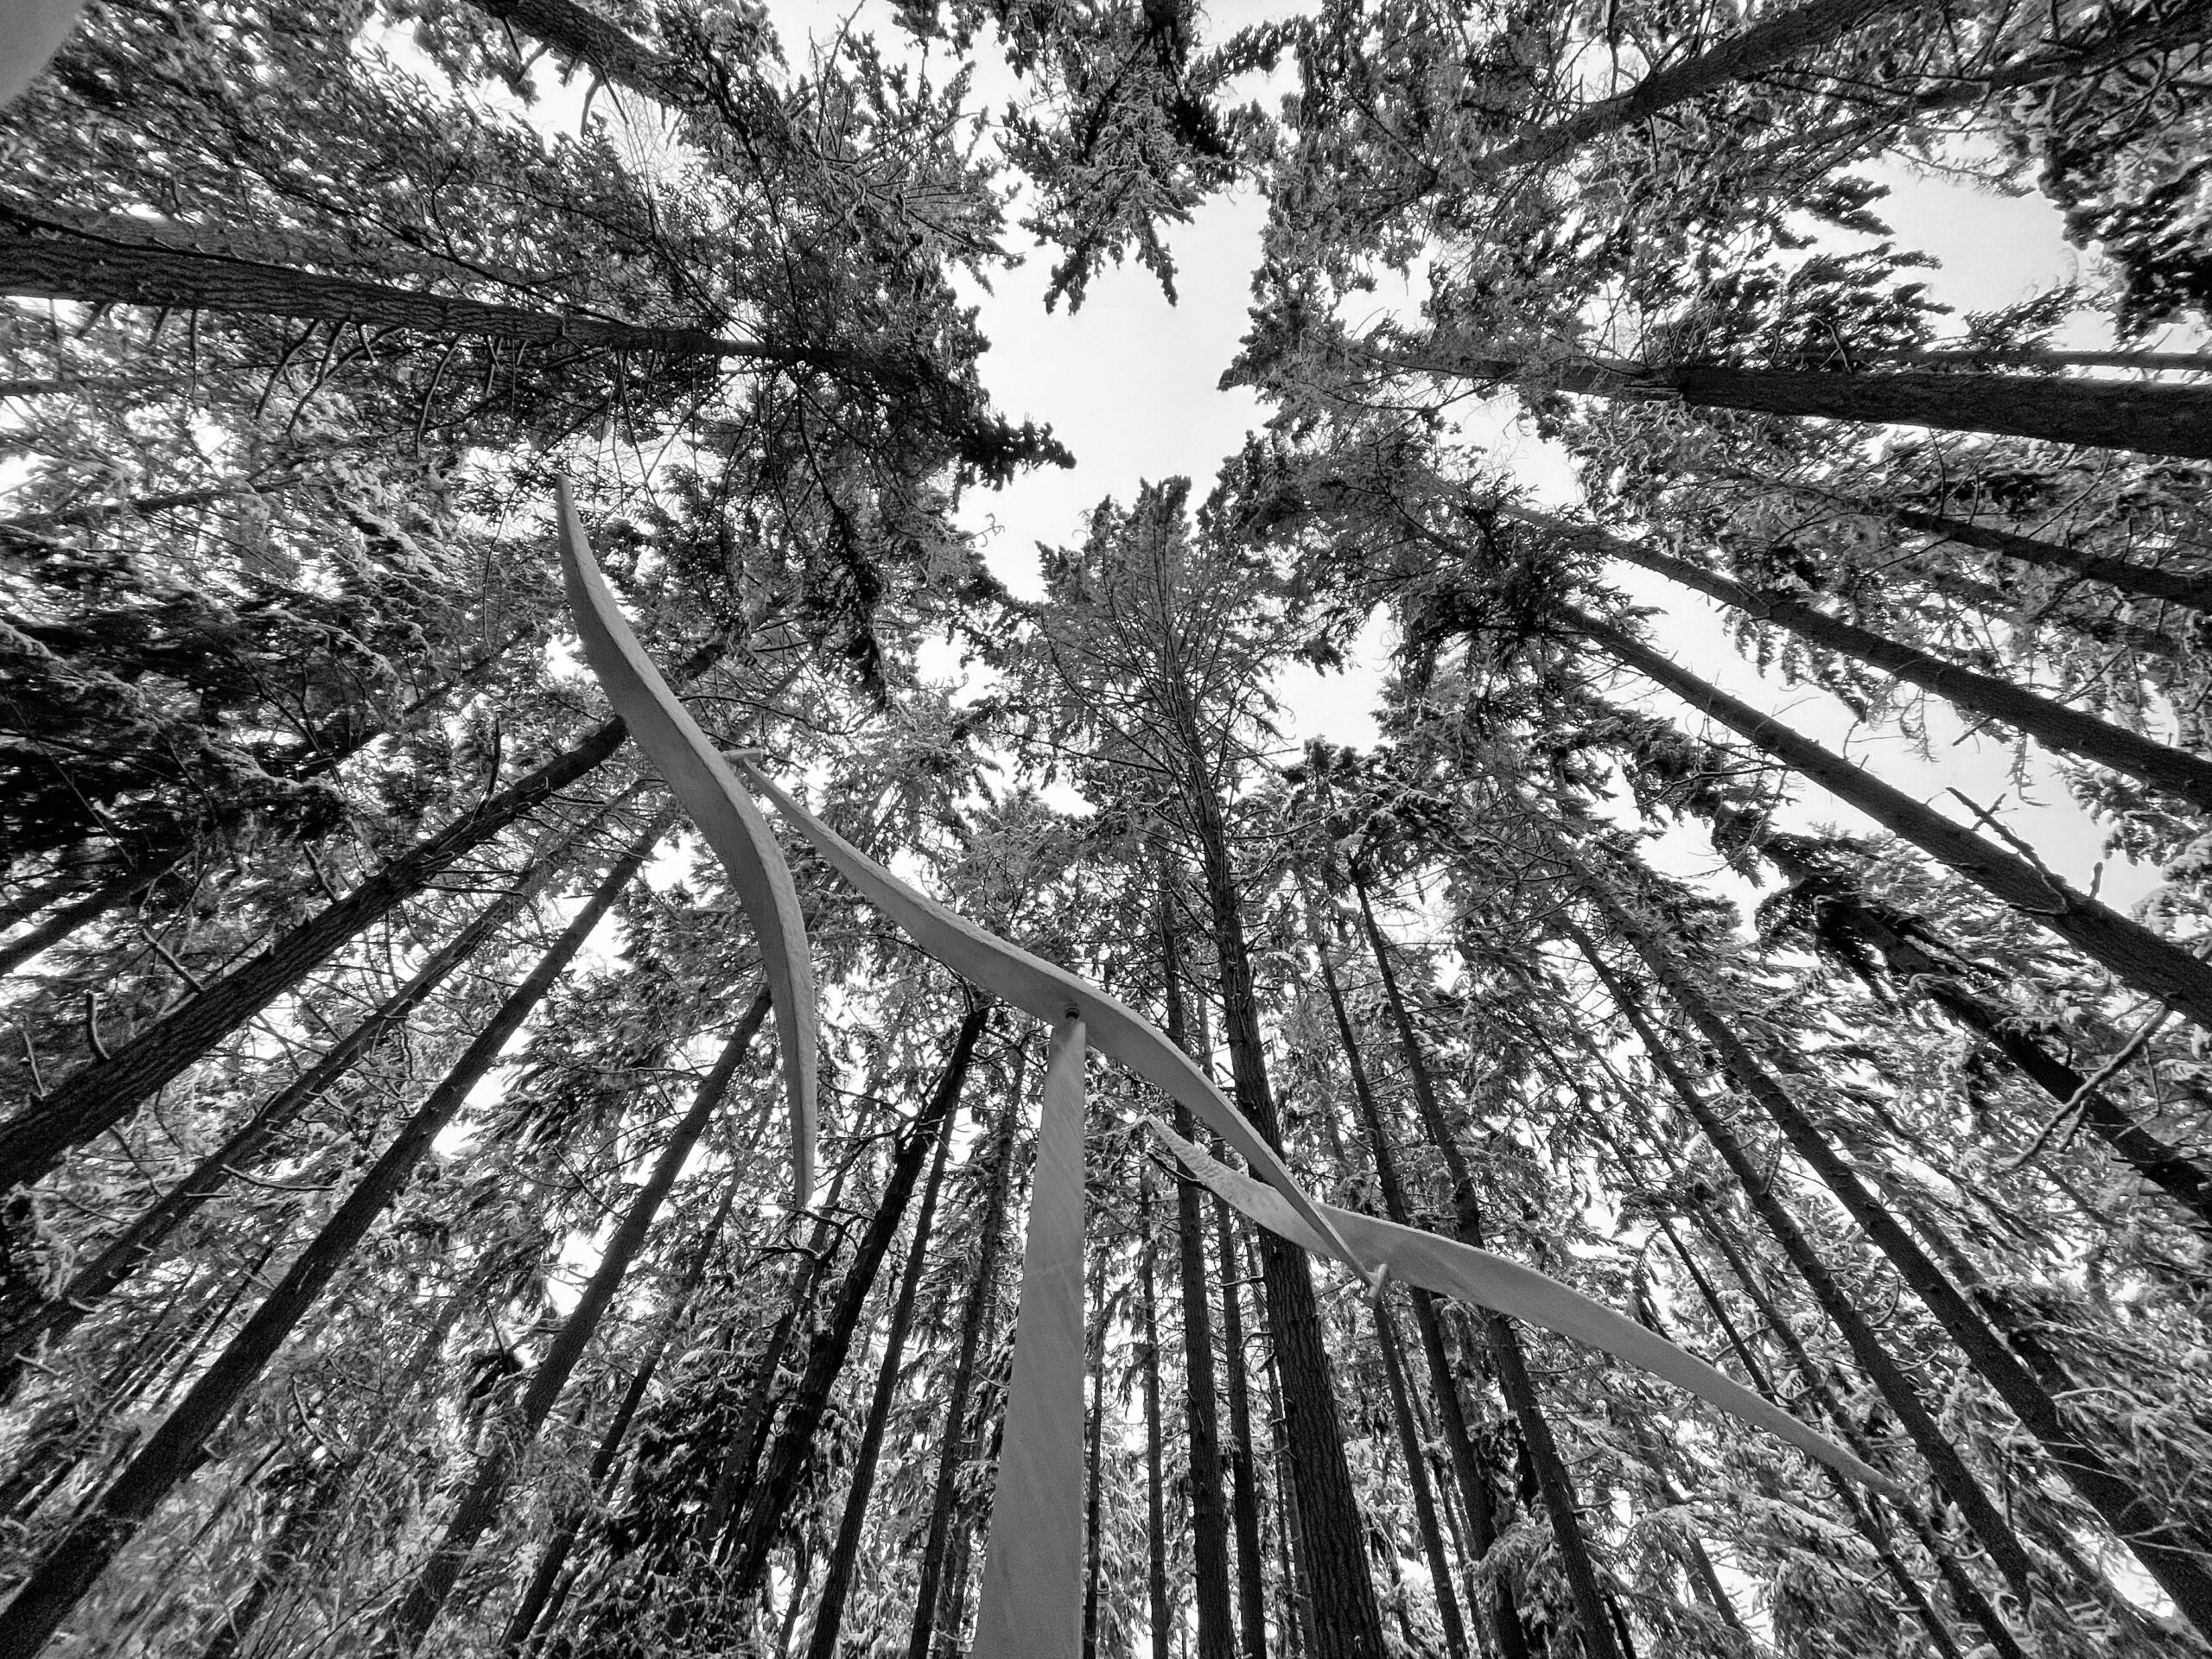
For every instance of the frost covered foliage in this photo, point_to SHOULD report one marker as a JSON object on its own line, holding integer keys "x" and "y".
{"x": 398, "y": 1251}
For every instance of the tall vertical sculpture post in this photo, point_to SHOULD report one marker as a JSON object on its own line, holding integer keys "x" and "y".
{"x": 1032, "y": 1604}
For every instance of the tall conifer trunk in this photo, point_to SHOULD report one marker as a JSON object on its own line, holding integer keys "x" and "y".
{"x": 2063, "y": 730}
{"x": 1293, "y": 1578}
{"x": 1243, "y": 1463}
{"x": 309, "y": 1517}
{"x": 1868, "y": 1527}
{"x": 145, "y": 865}
{"x": 80, "y": 912}
{"x": 2143, "y": 581}
{"x": 1553, "y": 1482}
{"x": 106, "y": 265}
{"x": 792, "y": 1453}
{"x": 1347, "y": 1624}
{"x": 1476, "y": 1485}
{"x": 1155, "y": 1505}
{"x": 1952, "y": 1476}
{"x": 954, "y": 1448}
{"x": 1776, "y": 39}
{"x": 170, "y": 1453}
{"x": 836, "y": 1582}
{"x": 30, "y": 895}
{"x": 2155, "y": 966}
{"x": 1898, "y": 938}
{"x": 136, "y": 1242}
{"x": 2184, "y": 1180}
{"x": 2153, "y": 417}
{"x": 105, "y": 1092}
{"x": 748, "y": 1439}
{"x": 1432, "y": 1535}
{"x": 539, "y": 1597}
{"x": 480, "y": 1501}
{"x": 2170, "y": 1553}
{"x": 1201, "y": 1404}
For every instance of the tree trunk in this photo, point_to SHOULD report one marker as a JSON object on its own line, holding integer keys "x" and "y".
{"x": 2184, "y": 1180}
{"x": 51, "y": 930}
{"x": 1896, "y": 937}
{"x": 102, "y": 1094}
{"x": 35, "y": 894}
{"x": 132, "y": 1247}
{"x": 480, "y": 1504}
{"x": 1774, "y": 40}
{"x": 2101, "y": 627}
{"x": 42, "y": 259}
{"x": 1432, "y": 1535}
{"x": 1865, "y": 1516}
{"x": 146, "y": 865}
{"x": 308, "y": 1518}
{"x": 2126, "y": 36}
{"x": 2154, "y": 417}
{"x": 2067, "y": 731}
{"x": 2045, "y": 357}
{"x": 1201, "y": 1404}
{"x": 1293, "y": 1575}
{"x": 538, "y": 1598}
{"x": 2144, "y": 582}
{"x": 1553, "y": 1482}
{"x": 2137, "y": 956}
{"x": 1939, "y": 1636}
{"x": 172, "y": 1451}
{"x": 954, "y": 1450}
{"x": 1347, "y": 1623}
{"x": 748, "y": 1437}
{"x": 586, "y": 38}
{"x": 836, "y": 1583}
{"x": 1251, "y": 1578}
{"x": 1155, "y": 1505}
{"x": 2169, "y": 1553}
{"x": 1476, "y": 1487}
{"x": 1952, "y": 1476}
{"x": 789, "y": 1460}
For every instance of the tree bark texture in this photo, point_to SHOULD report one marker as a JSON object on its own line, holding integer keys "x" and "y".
{"x": 2067, "y": 731}
{"x": 1155, "y": 1496}
{"x": 135, "y": 1244}
{"x": 2143, "y": 581}
{"x": 2170, "y": 1553}
{"x": 102, "y": 1094}
{"x": 1243, "y": 1463}
{"x": 955, "y": 1448}
{"x": 41, "y": 259}
{"x": 538, "y": 1597}
{"x": 1951, "y": 1474}
{"x": 1554, "y": 1483}
{"x": 2155, "y": 418}
{"x": 2139, "y": 958}
{"x": 1201, "y": 1405}
{"x": 1774, "y": 40}
{"x": 1347, "y": 1623}
{"x": 1432, "y": 1535}
{"x": 480, "y": 1504}
{"x": 838, "y": 1578}
{"x": 1476, "y": 1487}
{"x": 173, "y": 1449}
{"x": 793, "y": 1453}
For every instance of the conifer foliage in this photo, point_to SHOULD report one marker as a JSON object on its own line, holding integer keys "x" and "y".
{"x": 1611, "y": 1168}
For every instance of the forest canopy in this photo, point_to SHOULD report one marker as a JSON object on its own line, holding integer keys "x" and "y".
{"x": 523, "y": 770}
